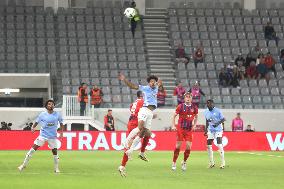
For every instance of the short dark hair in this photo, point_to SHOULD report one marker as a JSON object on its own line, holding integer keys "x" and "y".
{"x": 152, "y": 77}
{"x": 210, "y": 100}
{"x": 139, "y": 93}
{"x": 50, "y": 100}
{"x": 109, "y": 110}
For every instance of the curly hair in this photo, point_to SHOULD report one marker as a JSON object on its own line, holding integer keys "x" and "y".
{"x": 152, "y": 77}
{"x": 50, "y": 100}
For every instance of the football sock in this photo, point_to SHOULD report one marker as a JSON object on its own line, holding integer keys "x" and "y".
{"x": 144, "y": 144}
{"x": 132, "y": 134}
{"x": 186, "y": 155}
{"x": 222, "y": 154}
{"x": 176, "y": 153}
{"x": 210, "y": 154}
{"x": 28, "y": 156}
{"x": 135, "y": 143}
{"x": 124, "y": 160}
{"x": 56, "y": 161}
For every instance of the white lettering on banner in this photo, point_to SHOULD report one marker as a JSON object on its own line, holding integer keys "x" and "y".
{"x": 84, "y": 140}
{"x": 101, "y": 142}
{"x": 276, "y": 144}
{"x": 69, "y": 137}
{"x": 225, "y": 141}
{"x": 114, "y": 140}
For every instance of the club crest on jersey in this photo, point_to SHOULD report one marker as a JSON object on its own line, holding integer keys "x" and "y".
{"x": 50, "y": 124}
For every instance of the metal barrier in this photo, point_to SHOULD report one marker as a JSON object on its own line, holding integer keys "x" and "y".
{"x": 71, "y": 107}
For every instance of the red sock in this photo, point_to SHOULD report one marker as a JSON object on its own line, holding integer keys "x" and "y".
{"x": 124, "y": 159}
{"x": 176, "y": 153}
{"x": 186, "y": 155}
{"x": 144, "y": 143}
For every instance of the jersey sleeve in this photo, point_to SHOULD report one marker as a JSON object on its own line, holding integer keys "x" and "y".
{"x": 178, "y": 109}
{"x": 142, "y": 88}
{"x": 39, "y": 117}
{"x": 221, "y": 116}
{"x": 60, "y": 120}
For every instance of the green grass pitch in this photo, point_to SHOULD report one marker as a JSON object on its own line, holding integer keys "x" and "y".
{"x": 98, "y": 169}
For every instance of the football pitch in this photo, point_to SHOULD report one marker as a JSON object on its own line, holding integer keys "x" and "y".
{"x": 98, "y": 169}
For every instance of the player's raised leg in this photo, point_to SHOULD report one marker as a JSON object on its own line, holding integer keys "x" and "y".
{"x": 145, "y": 141}
{"x": 29, "y": 156}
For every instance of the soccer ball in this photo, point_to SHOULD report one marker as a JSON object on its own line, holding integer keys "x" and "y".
{"x": 129, "y": 12}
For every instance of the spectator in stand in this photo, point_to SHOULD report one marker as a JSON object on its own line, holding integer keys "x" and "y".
{"x": 281, "y": 57}
{"x": 249, "y": 129}
{"x": 135, "y": 19}
{"x": 269, "y": 33}
{"x": 270, "y": 62}
{"x": 229, "y": 73}
{"x": 179, "y": 91}
{"x": 82, "y": 98}
{"x": 96, "y": 95}
{"x": 235, "y": 82}
{"x": 259, "y": 59}
{"x": 251, "y": 71}
{"x": 262, "y": 69}
{"x": 161, "y": 96}
{"x": 249, "y": 59}
{"x": 109, "y": 121}
{"x": 255, "y": 52}
{"x": 223, "y": 79}
{"x": 237, "y": 123}
{"x": 198, "y": 56}
{"x": 180, "y": 54}
{"x": 239, "y": 60}
{"x": 196, "y": 92}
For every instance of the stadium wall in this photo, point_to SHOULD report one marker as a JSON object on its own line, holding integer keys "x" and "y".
{"x": 261, "y": 120}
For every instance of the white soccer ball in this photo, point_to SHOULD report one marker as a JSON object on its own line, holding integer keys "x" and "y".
{"x": 129, "y": 12}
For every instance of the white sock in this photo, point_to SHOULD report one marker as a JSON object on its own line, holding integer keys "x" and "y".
{"x": 132, "y": 134}
{"x": 210, "y": 154}
{"x": 56, "y": 161}
{"x": 135, "y": 143}
{"x": 28, "y": 156}
{"x": 222, "y": 153}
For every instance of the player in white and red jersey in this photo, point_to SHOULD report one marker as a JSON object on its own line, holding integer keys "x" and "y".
{"x": 132, "y": 124}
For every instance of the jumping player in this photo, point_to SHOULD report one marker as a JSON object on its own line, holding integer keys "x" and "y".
{"x": 48, "y": 133}
{"x": 145, "y": 114}
{"x": 132, "y": 124}
{"x": 188, "y": 114}
{"x": 214, "y": 130}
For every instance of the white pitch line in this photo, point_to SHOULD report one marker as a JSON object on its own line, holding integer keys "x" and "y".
{"x": 259, "y": 154}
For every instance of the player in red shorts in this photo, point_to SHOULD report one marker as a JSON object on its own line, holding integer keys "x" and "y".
{"x": 132, "y": 124}
{"x": 187, "y": 121}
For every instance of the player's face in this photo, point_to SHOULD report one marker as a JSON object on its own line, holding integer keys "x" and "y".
{"x": 187, "y": 98}
{"x": 152, "y": 83}
{"x": 210, "y": 105}
{"x": 50, "y": 106}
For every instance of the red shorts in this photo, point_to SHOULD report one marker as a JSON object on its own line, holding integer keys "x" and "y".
{"x": 184, "y": 135}
{"x": 132, "y": 124}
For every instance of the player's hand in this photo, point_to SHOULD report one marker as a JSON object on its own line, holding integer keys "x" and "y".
{"x": 121, "y": 77}
{"x": 155, "y": 116}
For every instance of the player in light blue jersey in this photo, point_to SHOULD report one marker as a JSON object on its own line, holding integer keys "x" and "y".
{"x": 48, "y": 133}
{"x": 214, "y": 130}
{"x": 145, "y": 114}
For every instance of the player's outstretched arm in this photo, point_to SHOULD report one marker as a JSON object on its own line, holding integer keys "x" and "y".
{"x": 121, "y": 77}
{"x": 34, "y": 126}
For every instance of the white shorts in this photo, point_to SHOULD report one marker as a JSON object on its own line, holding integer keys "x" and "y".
{"x": 214, "y": 135}
{"x": 145, "y": 115}
{"x": 40, "y": 141}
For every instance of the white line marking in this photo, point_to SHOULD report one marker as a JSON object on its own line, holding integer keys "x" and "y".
{"x": 259, "y": 154}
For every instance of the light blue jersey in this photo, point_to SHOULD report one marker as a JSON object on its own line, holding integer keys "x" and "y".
{"x": 149, "y": 95}
{"x": 213, "y": 117}
{"x": 49, "y": 124}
